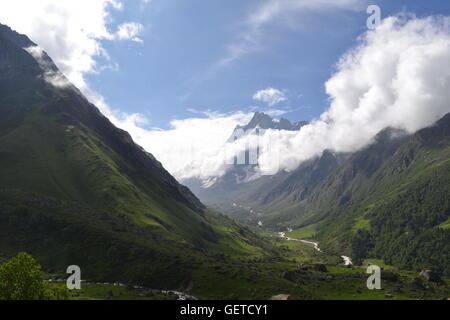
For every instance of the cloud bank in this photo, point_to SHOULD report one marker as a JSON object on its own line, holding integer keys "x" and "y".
{"x": 398, "y": 76}
{"x": 284, "y": 12}
{"x": 192, "y": 147}
{"x": 130, "y": 31}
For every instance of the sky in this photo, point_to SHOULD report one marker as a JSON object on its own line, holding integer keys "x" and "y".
{"x": 180, "y": 75}
{"x": 177, "y": 68}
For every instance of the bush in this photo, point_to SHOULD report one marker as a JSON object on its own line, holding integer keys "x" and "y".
{"x": 21, "y": 279}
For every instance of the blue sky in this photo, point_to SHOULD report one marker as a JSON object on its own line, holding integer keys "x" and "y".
{"x": 175, "y": 69}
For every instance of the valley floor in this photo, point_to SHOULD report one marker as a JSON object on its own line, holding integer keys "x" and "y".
{"x": 305, "y": 273}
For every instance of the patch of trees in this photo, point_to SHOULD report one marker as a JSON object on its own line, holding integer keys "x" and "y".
{"x": 21, "y": 278}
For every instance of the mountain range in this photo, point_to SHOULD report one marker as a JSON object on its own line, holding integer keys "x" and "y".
{"x": 264, "y": 121}
{"x": 216, "y": 189}
{"x": 389, "y": 200}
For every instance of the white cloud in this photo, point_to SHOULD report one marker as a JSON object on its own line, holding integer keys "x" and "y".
{"x": 397, "y": 77}
{"x": 129, "y": 31}
{"x": 55, "y": 77}
{"x": 275, "y": 10}
{"x": 69, "y": 31}
{"x": 270, "y": 96}
{"x": 275, "y": 112}
{"x": 287, "y": 12}
{"x": 192, "y": 147}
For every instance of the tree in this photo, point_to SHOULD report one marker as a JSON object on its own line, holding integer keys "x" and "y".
{"x": 361, "y": 245}
{"x": 21, "y": 279}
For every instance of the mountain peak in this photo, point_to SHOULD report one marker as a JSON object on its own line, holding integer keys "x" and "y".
{"x": 18, "y": 39}
{"x": 264, "y": 121}
{"x": 16, "y": 64}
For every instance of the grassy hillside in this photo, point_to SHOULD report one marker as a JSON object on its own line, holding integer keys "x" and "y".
{"x": 399, "y": 213}
{"x": 74, "y": 189}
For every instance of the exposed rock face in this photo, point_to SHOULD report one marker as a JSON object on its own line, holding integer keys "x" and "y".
{"x": 14, "y": 60}
{"x": 264, "y": 121}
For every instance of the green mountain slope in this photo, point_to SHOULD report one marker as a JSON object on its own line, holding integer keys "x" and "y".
{"x": 74, "y": 189}
{"x": 400, "y": 213}
{"x": 389, "y": 200}
{"x": 61, "y": 146}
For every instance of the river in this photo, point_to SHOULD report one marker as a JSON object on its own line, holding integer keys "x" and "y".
{"x": 315, "y": 245}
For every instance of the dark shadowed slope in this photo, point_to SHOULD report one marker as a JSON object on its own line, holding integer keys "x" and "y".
{"x": 401, "y": 212}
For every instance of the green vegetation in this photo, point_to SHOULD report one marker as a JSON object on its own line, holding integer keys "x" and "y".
{"x": 308, "y": 232}
{"x": 94, "y": 291}
{"x": 387, "y": 201}
{"x": 74, "y": 189}
{"x": 361, "y": 224}
{"x": 251, "y": 278}
{"x": 21, "y": 279}
{"x": 445, "y": 225}
{"x": 403, "y": 216}
{"x": 377, "y": 262}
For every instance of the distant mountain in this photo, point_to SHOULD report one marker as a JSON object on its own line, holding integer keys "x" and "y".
{"x": 264, "y": 121}
{"x": 389, "y": 200}
{"x": 74, "y": 189}
{"x": 224, "y": 189}
{"x": 289, "y": 197}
